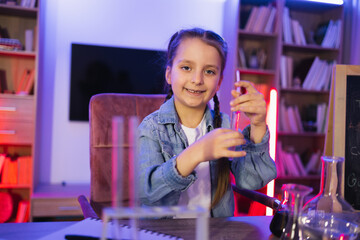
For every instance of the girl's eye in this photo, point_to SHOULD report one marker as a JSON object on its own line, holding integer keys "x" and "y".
{"x": 186, "y": 68}
{"x": 211, "y": 72}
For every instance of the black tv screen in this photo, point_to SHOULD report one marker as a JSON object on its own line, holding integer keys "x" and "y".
{"x": 101, "y": 69}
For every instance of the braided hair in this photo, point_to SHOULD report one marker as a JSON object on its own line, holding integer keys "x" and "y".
{"x": 212, "y": 39}
{"x": 222, "y": 164}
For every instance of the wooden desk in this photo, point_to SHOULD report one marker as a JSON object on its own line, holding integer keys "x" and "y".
{"x": 248, "y": 228}
{"x": 52, "y": 201}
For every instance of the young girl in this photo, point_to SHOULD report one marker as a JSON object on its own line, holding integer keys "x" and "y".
{"x": 185, "y": 146}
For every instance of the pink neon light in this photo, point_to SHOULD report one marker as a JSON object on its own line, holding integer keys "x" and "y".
{"x": 271, "y": 120}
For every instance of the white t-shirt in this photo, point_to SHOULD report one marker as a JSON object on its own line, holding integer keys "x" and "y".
{"x": 199, "y": 193}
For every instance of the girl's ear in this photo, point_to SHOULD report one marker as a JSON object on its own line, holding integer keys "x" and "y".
{"x": 167, "y": 75}
{"x": 219, "y": 84}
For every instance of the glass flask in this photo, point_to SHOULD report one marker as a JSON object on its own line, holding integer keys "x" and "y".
{"x": 279, "y": 220}
{"x": 328, "y": 215}
{"x": 296, "y": 192}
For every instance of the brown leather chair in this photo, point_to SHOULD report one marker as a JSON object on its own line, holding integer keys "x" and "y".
{"x": 102, "y": 108}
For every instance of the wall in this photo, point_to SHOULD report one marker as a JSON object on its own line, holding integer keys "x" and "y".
{"x": 62, "y": 147}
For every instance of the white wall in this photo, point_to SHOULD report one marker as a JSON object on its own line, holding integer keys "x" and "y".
{"x": 62, "y": 146}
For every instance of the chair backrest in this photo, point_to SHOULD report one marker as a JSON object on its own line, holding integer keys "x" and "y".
{"x": 102, "y": 108}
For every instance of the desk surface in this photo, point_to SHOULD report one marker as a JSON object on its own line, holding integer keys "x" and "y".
{"x": 220, "y": 228}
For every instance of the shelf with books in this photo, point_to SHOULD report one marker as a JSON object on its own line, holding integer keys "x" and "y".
{"x": 17, "y": 74}
{"x": 320, "y": 23}
{"x": 305, "y": 76}
{"x": 18, "y": 63}
{"x": 258, "y": 40}
{"x": 302, "y": 64}
{"x": 258, "y": 16}
{"x": 258, "y": 44}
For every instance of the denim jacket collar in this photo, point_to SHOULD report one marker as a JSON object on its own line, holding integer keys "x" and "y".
{"x": 168, "y": 115}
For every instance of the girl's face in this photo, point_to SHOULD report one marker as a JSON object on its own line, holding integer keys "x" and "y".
{"x": 195, "y": 74}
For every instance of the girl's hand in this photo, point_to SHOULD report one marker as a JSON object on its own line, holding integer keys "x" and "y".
{"x": 211, "y": 146}
{"x": 252, "y": 103}
{"x": 217, "y": 143}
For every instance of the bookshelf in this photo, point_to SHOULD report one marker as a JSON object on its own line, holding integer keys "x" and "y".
{"x": 289, "y": 57}
{"x": 18, "y": 58}
{"x": 304, "y": 90}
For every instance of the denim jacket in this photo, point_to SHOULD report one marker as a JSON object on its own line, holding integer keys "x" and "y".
{"x": 161, "y": 140}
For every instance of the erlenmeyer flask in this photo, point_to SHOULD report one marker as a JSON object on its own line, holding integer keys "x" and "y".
{"x": 328, "y": 214}
{"x": 296, "y": 192}
{"x": 329, "y": 198}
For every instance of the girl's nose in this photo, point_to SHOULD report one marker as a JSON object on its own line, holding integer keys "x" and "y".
{"x": 197, "y": 78}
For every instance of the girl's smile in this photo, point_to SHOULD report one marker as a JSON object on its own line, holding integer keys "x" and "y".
{"x": 197, "y": 92}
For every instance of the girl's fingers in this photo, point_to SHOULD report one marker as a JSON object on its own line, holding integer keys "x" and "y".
{"x": 233, "y": 142}
{"x": 246, "y": 97}
{"x": 251, "y": 109}
{"x": 235, "y": 154}
{"x": 239, "y": 105}
{"x": 227, "y": 133}
{"x": 246, "y": 84}
{"x": 248, "y": 109}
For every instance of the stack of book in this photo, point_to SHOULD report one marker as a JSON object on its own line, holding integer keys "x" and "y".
{"x": 290, "y": 120}
{"x": 261, "y": 19}
{"x": 286, "y": 72}
{"x": 289, "y": 163}
{"x": 10, "y": 44}
{"x": 333, "y": 35}
{"x": 293, "y": 32}
{"x": 15, "y": 170}
{"x": 319, "y": 75}
{"x": 26, "y": 82}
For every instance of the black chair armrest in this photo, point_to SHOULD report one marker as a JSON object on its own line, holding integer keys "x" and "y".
{"x": 86, "y": 208}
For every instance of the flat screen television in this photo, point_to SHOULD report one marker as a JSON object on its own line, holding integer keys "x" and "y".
{"x": 102, "y": 69}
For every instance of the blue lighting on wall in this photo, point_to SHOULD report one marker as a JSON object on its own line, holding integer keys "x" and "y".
{"x": 335, "y": 2}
